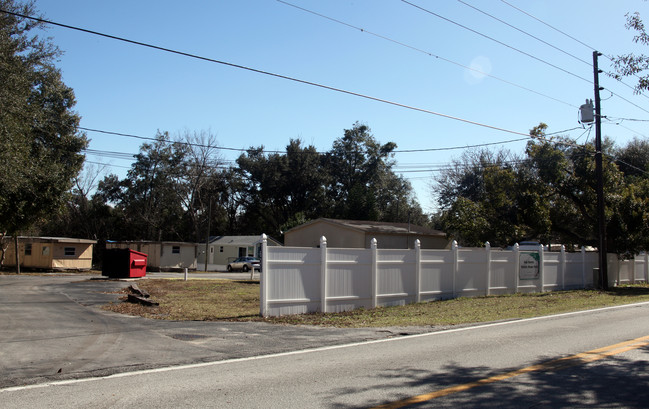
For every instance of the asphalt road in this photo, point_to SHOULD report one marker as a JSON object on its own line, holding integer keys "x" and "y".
{"x": 592, "y": 359}
{"x": 52, "y": 328}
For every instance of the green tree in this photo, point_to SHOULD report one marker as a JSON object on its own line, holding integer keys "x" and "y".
{"x": 481, "y": 196}
{"x": 549, "y": 195}
{"x": 40, "y": 143}
{"x": 279, "y": 186}
{"x": 148, "y": 198}
{"x": 633, "y": 159}
{"x": 363, "y": 185}
{"x": 632, "y": 64}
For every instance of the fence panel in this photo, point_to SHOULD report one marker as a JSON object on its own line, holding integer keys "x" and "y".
{"x": 552, "y": 277}
{"x": 299, "y": 280}
{"x": 471, "y": 277}
{"x": 503, "y": 272}
{"x": 437, "y": 271}
{"x": 293, "y": 279}
{"x": 396, "y": 277}
{"x": 348, "y": 279}
{"x": 641, "y": 268}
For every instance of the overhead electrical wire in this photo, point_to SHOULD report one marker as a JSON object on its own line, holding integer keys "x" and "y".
{"x": 428, "y": 53}
{"x": 268, "y": 73}
{"x": 626, "y": 119}
{"x": 626, "y": 100}
{"x": 574, "y": 39}
{"x": 526, "y": 33}
{"x": 107, "y": 164}
{"x": 498, "y": 41}
{"x": 286, "y": 78}
{"x": 632, "y": 130}
{"x": 283, "y": 152}
{"x": 552, "y": 27}
{"x": 517, "y": 50}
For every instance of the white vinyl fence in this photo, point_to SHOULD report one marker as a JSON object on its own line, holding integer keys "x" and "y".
{"x": 297, "y": 280}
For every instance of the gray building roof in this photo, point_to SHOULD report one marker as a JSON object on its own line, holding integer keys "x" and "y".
{"x": 379, "y": 227}
{"x": 239, "y": 240}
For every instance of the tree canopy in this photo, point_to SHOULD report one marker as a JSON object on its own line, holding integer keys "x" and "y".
{"x": 548, "y": 195}
{"x": 179, "y": 189}
{"x": 632, "y": 64}
{"x": 40, "y": 144}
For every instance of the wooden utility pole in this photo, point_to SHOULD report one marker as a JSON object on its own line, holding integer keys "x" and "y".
{"x": 16, "y": 249}
{"x": 207, "y": 239}
{"x": 599, "y": 174}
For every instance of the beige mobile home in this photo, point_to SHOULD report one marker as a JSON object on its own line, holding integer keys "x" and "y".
{"x": 359, "y": 234}
{"x": 162, "y": 255}
{"x": 51, "y": 253}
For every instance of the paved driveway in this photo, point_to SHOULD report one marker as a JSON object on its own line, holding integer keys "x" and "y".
{"x": 52, "y": 328}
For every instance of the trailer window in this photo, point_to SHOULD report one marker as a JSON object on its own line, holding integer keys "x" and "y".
{"x": 70, "y": 251}
{"x": 28, "y": 249}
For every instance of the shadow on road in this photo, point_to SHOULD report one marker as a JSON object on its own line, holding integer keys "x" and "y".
{"x": 614, "y": 382}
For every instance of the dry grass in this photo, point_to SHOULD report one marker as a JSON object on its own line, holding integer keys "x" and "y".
{"x": 227, "y": 300}
{"x": 196, "y": 300}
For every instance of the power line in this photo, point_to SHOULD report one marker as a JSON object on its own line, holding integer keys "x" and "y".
{"x": 552, "y": 27}
{"x": 283, "y": 152}
{"x": 627, "y": 119}
{"x": 626, "y": 100}
{"x": 259, "y": 71}
{"x": 516, "y": 49}
{"x": 629, "y": 129}
{"x": 107, "y": 164}
{"x": 526, "y": 33}
{"x": 497, "y": 41}
{"x": 148, "y": 138}
{"x": 428, "y": 53}
{"x": 575, "y": 39}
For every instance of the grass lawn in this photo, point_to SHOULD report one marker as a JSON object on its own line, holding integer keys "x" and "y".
{"x": 228, "y": 300}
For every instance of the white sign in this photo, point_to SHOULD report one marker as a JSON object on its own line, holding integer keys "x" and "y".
{"x": 529, "y": 265}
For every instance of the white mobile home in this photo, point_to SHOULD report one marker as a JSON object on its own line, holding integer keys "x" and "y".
{"x": 224, "y": 249}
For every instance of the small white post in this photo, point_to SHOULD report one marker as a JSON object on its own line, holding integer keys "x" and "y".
{"x": 517, "y": 269}
{"x": 646, "y": 266}
{"x": 418, "y": 269}
{"x": 375, "y": 281}
{"x": 264, "y": 277}
{"x": 583, "y": 267}
{"x": 185, "y": 273}
{"x": 563, "y": 267}
{"x": 542, "y": 267}
{"x": 456, "y": 262}
{"x": 488, "y": 249}
{"x": 323, "y": 274}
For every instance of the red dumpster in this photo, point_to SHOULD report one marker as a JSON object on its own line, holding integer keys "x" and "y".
{"x": 124, "y": 263}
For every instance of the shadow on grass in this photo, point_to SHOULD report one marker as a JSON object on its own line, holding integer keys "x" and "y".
{"x": 629, "y": 291}
{"x": 256, "y": 282}
{"x": 616, "y": 382}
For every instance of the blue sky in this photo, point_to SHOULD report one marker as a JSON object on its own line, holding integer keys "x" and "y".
{"x": 130, "y": 89}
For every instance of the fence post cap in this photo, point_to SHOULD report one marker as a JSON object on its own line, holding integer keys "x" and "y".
{"x": 374, "y": 242}
{"x": 417, "y": 243}
{"x": 323, "y": 240}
